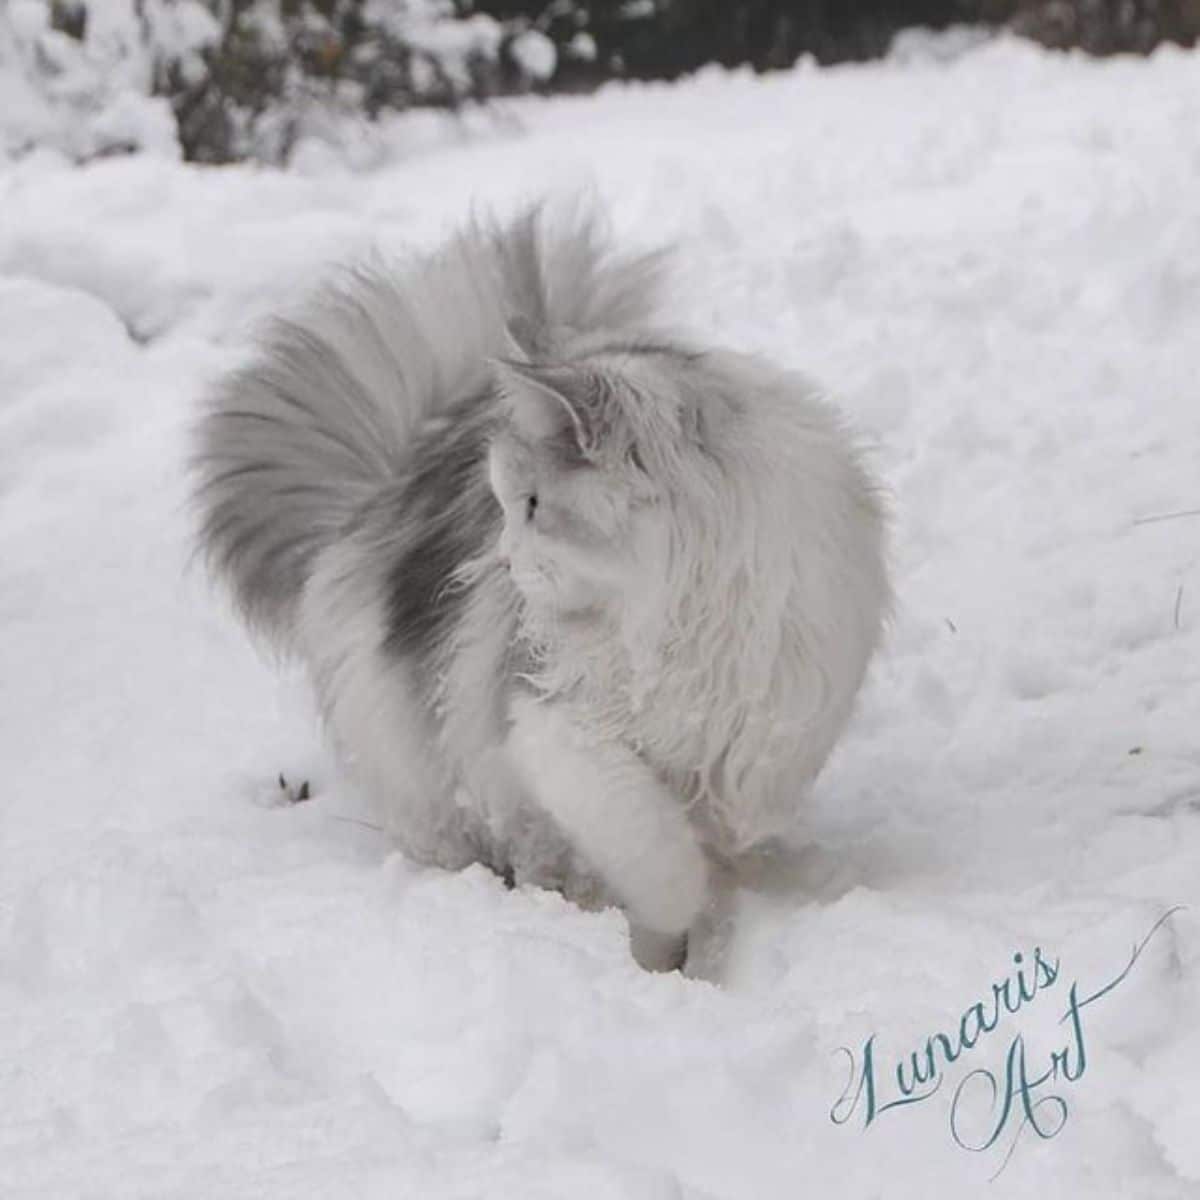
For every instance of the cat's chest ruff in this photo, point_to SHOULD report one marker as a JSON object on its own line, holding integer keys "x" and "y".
{"x": 639, "y": 704}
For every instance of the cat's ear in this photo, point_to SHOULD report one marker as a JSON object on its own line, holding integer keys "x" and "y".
{"x": 547, "y": 402}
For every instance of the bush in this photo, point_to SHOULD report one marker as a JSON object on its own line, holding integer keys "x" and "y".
{"x": 224, "y": 80}
{"x": 236, "y": 79}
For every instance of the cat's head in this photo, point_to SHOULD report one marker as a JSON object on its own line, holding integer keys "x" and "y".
{"x": 584, "y": 466}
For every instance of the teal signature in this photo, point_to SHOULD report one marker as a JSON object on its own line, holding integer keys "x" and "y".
{"x": 1016, "y": 1091}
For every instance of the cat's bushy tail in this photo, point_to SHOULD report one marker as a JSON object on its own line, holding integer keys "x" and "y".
{"x": 321, "y": 417}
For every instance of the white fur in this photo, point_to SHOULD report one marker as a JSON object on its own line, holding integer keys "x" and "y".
{"x": 379, "y": 725}
{"x": 609, "y": 803}
{"x": 649, "y": 664}
{"x": 733, "y": 658}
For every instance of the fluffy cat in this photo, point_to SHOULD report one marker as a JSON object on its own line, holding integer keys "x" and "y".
{"x": 582, "y": 600}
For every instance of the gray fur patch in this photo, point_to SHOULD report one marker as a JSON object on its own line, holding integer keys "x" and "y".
{"x": 441, "y": 515}
{"x": 327, "y": 420}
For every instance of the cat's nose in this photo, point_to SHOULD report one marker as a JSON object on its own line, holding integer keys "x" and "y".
{"x": 504, "y": 561}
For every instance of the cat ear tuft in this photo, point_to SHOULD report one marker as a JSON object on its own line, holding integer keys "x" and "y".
{"x": 543, "y": 399}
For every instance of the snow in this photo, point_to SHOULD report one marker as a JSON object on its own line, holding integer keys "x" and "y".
{"x": 583, "y": 47}
{"x": 207, "y": 991}
{"x": 455, "y": 43}
{"x": 534, "y": 53}
{"x": 91, "y": 97}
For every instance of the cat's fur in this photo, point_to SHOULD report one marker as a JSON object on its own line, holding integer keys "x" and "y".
{"x": 581, "y": 600}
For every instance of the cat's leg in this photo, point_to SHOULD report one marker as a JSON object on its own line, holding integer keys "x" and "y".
{"x": 620, "y": 819}
{"x": 711, "y": 935}
{"x": 380, "y": 723}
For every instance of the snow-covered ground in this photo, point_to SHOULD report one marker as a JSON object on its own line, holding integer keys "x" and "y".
{"x": 207, "y": 992}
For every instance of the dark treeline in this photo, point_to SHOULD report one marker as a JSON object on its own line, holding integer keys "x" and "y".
{"x": 665, "y": 38}
{"x": 267, "y": 72}
{"x": 671, "y": 37}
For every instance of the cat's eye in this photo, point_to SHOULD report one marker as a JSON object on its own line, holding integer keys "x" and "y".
{"x": 531, "y": 503}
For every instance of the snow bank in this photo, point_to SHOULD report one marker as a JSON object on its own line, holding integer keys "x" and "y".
{"x": 208, "y": 991}
{"x": 90, "y": 97}
{"x": 114, "y": 79}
